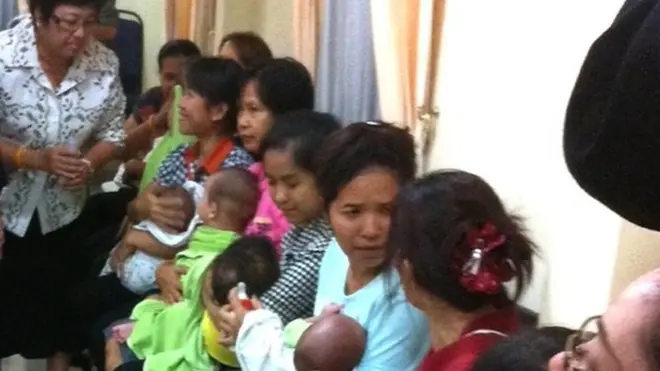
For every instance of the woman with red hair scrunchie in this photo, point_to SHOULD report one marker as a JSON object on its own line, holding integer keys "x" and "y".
{"x": 455, "y": 246}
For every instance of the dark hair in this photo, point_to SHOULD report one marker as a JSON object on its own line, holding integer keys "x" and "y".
{"x": 527, "y": 351}
{"x": 362, "y": 146}
{"x": 431, "y": 220}
{"x": 46, "y": 7}
{"x": 302, "y": 133}
{"x": 252, "y": 51}
{"x": 251, "y": 260}
{"x": 218, "y": 81}
{"x": 283, "y": 85}
{"x": 178, "y": 48}
{"x": 237, "y": 190}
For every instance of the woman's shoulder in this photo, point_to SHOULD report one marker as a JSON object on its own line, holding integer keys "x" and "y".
{"x": 99, "y": 57}
{"x": 12, "y": 37}
{"x": 385, "y": 301}
{"x": 238, "y": 157}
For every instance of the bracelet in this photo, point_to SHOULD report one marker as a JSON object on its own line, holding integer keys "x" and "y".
{"x": 89, "y": 165}
{"x": 18, "y": 157}
{"x": 151, "y": 123}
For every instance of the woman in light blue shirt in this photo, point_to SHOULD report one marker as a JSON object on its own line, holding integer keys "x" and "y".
{"x": 358, "y": 171}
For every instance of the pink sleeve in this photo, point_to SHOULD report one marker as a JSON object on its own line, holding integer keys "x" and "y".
{"x": 269, "y": 220}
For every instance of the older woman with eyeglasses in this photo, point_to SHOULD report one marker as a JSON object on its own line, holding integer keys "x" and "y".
{"x": 626, "y": 337}
{"x": 59, "y": 90}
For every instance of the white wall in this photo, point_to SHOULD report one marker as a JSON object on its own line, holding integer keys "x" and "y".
{"x": 506, "y": 73}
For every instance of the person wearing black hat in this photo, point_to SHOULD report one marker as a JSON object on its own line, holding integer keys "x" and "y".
{"x": 612, "y": 127}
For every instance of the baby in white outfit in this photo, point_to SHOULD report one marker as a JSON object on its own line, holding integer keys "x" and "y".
{"x": 132, "y": 261}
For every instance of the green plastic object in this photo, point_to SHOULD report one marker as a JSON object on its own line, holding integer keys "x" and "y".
{"x": 172, "y": 139}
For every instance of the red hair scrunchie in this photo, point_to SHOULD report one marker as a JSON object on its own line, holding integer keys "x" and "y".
{"x": 480, "y": 272}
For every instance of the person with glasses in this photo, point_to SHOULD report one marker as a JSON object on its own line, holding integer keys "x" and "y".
{"x": 625, "y": 337}
{"x": 59, "y": 91}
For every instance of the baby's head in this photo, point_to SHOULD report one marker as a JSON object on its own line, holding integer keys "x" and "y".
{"x": 251, "y": 260}
{"x": 333, "y": 343}
{"x": 187, "y": 202}
{"x": 526, "y": 351}
{"x": 230, "y": 199}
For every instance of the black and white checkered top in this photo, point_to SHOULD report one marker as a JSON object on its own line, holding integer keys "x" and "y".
{"x": 293, "y": 295}
{"x": 174, "y": 170}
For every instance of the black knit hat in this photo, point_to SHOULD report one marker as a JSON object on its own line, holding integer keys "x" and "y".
{"x": 612, "y": 128}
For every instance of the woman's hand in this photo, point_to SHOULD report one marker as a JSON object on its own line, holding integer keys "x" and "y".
{"x": 162, "y": 118}
{"x": 232, "y": 316}
{"x": 329, "y": 310}
{"x": 81, "y": 180}
{"x": 62, "y": 162}
{"x": 134, "y": 167}
{"x": 119, "y": 255}
{"x": 165, "y": 211}
{"x": 168, "y": 278}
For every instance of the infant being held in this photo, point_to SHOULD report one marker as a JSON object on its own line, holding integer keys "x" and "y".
{"x": 146, "y": 246}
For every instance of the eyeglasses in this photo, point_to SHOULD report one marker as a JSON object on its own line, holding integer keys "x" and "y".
{"x": 574, "y": 357}
{"x": 73, "y": 25}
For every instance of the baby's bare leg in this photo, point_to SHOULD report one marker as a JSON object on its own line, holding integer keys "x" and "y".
{"x": 112, "y": 355}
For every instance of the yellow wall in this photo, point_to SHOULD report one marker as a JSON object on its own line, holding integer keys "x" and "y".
{"x": 506, "y": 74}
{"x": 272, "y": 19}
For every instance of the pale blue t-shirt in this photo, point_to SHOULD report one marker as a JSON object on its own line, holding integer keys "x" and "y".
{"x": 397, "y": 333}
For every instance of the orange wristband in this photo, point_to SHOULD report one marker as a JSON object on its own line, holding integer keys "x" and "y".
{"x": 18, "y": 157}
{"x": 151, "y": 122}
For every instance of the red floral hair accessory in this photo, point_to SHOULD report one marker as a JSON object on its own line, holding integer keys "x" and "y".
{"x": 480, "y": 271}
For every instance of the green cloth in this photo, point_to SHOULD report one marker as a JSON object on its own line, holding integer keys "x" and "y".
{"x": 294, "y": 331}
{"x": 204, "y": 241}
{"x": 169, "y": 337}
{"x": 171, "y": 140}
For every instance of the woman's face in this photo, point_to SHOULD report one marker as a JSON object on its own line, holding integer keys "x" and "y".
{"x": 254, "y": 119}
{"x": 171, "y": 74}
{"x": 197, "y": 118}
{"x": 292, "y": 188}
{"x": 360, "y": 217}
{"x": 617, "y": 345}
{"x": 69, "y": 30}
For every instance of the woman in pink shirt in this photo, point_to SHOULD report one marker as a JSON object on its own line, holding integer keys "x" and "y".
{"x": 281, "y": 85}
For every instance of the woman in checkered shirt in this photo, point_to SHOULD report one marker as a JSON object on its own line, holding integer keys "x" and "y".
{"x": 287, "y": 151}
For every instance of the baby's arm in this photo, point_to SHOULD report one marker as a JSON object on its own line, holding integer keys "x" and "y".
{"x": 145, "y": 242}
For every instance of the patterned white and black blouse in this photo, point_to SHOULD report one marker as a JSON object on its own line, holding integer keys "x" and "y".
{"x": 88, "y": 104}
{"x": 294, "y": 293}
{"x": 175, "y": 169}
